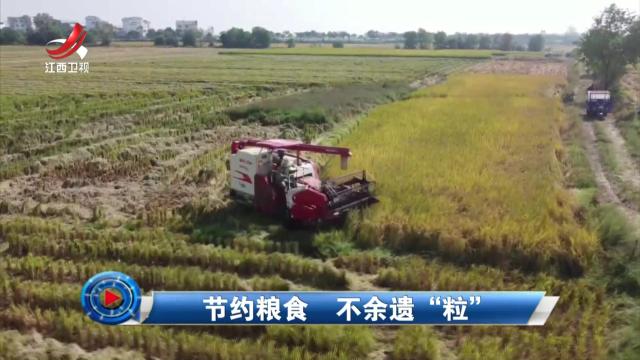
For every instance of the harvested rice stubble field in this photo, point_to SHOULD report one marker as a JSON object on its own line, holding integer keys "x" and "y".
{"x": 144, "y": 119}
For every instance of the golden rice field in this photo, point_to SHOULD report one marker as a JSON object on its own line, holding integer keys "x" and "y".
{"x": 471, "y": 169}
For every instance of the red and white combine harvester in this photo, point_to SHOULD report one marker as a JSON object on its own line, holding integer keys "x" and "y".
{"x": 274, "y": 177}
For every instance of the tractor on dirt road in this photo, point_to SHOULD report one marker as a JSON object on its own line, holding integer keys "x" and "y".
{"x": 275, "y": 179}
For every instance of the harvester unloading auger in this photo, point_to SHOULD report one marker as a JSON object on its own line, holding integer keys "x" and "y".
{"x": 277, "y": 180}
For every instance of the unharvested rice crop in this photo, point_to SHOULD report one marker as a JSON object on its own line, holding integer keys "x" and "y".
{"x": 471, "y": 170}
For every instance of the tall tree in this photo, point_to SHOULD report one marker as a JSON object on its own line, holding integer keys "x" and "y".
{"x": 373, "y": 34}
{"x": 168, "y": 37}
{"x": 410, "y": 40}
{"x": 506, "y": 42}
{"x": 440, "y": 40}
{"x": 189, "y": 38}
{"x": 235, "y": 38}
{"x": 603, "y": 49}
{"x": 260, "y": 37}
{"x": 47, "y": 29}
{"x": 151, "y": 34}
{"x": 470, "y": 41}
{"x": 632, "y": 42}
{"x": 425, "y": 39}
{"x": 495, "y": 41}
{"x": 455, "y": 41}
{"x": 159, "y": 40}
{"x": 44, "y": 21}
{"x": 105, "y": 33}
{"x": 8, "y": 36}
{"x": 536, "y": 43}
{"x": 484, "y": 42}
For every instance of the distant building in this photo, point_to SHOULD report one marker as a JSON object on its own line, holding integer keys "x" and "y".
{"x": 209, "y": 31}
{"x": 186, "y": 25}
{"x": 22, "y": 23}
{"x": 136, "y": 24}
{"x": 93, "y": 22}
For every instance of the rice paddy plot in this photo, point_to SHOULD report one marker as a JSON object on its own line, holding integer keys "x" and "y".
{"x": 471, "y": 170}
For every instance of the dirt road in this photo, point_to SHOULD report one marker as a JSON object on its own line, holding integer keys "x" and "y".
{"x": 627, "y": 170}
{"x": 606, "y": 192}
{"x": 627, "y": 174}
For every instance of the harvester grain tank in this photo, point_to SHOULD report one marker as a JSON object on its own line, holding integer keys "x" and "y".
{"x": 273, "y": 176}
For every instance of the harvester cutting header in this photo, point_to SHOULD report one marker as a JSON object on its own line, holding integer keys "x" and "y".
{"x": 277, "y": 180}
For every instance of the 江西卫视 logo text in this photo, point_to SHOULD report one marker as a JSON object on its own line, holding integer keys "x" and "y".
{"x": 69, "y": 46}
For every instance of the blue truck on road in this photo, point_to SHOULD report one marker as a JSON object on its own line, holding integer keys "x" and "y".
{"x": 599, "y": 103}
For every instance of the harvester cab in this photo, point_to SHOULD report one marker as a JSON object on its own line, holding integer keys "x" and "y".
{"x": 599, "y": 103}
{"x": 273, "y": 176}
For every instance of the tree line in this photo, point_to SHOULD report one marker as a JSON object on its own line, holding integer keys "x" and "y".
{"x": 612, "y": 42}
{"x": 258, "y": 37}
{"x": 170, "y": 37}
{"x": 237, "y": 38}
{"x": 48, "y": 28}
{"x": 422, "y": 39}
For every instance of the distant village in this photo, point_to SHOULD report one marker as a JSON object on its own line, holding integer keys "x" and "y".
{"x": 138, "y": 28}
{"x": 132, "y": 28}
{"x": 185, "y": 32}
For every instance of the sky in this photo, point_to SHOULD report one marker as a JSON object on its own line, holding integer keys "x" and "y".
{"x": 354, "y": 16}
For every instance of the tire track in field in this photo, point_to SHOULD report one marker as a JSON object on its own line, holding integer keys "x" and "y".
{"x": 627, "y": 171}
{"x": 606, "y": 192}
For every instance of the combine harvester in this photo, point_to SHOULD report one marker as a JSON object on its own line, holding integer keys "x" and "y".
{"x": 598, "y": 103}
{"x": 274, "y": 177}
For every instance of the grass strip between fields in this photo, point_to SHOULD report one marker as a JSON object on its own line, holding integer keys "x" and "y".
{"x": 372, "y": 52}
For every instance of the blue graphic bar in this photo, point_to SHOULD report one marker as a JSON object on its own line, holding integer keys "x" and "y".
{"x": 113, "y": 298}
{"x": 364, "y": 307}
